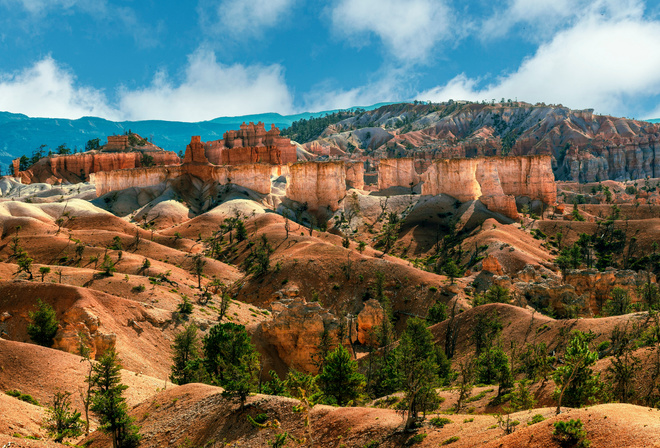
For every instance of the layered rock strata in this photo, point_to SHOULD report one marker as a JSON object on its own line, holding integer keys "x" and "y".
{"x": 77, "y": 167}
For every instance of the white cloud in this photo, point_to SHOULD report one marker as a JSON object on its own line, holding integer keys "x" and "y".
{"x": 209, "y": 90}
{"x": 409, "y": 30}
{"x": 542, "y": 17}
{"x": 239, "y": 18}
{"x": 48, "y": 90}
{"x": 599, "y": 64}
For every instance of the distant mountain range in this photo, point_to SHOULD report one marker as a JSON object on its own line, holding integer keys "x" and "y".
{"x": 20, "y": 134}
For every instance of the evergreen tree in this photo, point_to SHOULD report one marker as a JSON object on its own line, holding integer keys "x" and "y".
{"x": 340, "y": 381}
{"x": 44, "y": 324}
{"x": 109, "y": 403}
{"x": 576, "y": 383}
{"x": 186, "y": 360}
{"x": 60, "y": 421}
{"x": 417, "y": 367}
{"x": 231, "y": 360}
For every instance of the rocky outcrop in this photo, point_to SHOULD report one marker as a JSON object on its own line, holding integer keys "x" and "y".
{"x": 494, "y": 181}
{"x": 255, "y": 177}
{"x": 397, "y": 173}
{"x": 598, "y": 285}
{"x": 77, "y": 167}
{"x": 368, "y": 320}
{"x": 80, "y": 327}
{"x": 251, "y": 144}
{"x": 295, "y": 330}
{"x": 355, "y": 175}
{"x": 321, "y": 185}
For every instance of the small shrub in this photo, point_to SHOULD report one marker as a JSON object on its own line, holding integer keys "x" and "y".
{"x": 440, "y": 422}
{"x": 571, "y": 433}
{"x": 417, "y": 438}
{"x": 468, "y": 420}
{"x": 433, "y": 289}
{"x": 537, "y": 418}
{"x": 450, "y": 440}
{"x": 138, "y": 288}
{"x": 185, "y": 307}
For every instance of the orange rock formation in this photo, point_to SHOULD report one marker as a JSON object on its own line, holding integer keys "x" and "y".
{"x": 251, "y": 144}
{"x": 77, "y": 167}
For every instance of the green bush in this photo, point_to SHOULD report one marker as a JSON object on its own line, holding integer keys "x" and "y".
{"x": 417, "y": 438}
{"x": 571, "y": 433}
{"x": 450, "y": 440}
{"x": 537, "y": 418}
{"x": 440, "y": 422}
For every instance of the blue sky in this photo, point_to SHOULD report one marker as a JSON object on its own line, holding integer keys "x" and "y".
{"x": 197, "y": 60}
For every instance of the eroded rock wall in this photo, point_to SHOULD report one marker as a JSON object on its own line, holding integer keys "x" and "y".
{"x": 355, "y": 175}
{"x": 495, "y": 181}
{"x": 77, "y": 167}
{"x": 397, "y": 173}
{"x": 319, "y": 184}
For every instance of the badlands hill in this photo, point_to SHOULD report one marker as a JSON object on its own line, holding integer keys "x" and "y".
{"x": 496, "y": 265}
{"x": 585, "y": 147}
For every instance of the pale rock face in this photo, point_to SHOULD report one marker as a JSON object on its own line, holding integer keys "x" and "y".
{"x": 254, "y": 176}
{"x": 397, "y": 173}
{"x": 319, "y": 184}
{"x": 494, "y": 181}
{"x": 455, "y": 177}
{"x": 355, "y": 175}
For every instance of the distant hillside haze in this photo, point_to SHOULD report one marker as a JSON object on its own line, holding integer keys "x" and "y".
{"x": 20, "y": 134}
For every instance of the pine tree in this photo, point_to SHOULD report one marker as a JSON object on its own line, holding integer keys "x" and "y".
{"x": 340, "y": 381}
{"x": 187, "y": 363}
{"x": 417, "y": 367}
{"x": 44, "y": 324}
{"x": 60, "y": 421}
{"x": 109, "y": 404}
{"x": 231, "y": 360}
{"x": 575, "y": 380}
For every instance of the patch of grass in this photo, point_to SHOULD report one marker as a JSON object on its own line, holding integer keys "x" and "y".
{"x": 450, "y": 440}
{"x": 468, "y": 420}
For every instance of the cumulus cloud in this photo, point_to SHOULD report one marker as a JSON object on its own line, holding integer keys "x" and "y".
{"x": 238, "y": 18}
{"x": 601, "y": 64}
{"x": 49, "y": 90}
{"x": 409, "y": 30}
{"x": 209, "y": 90}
